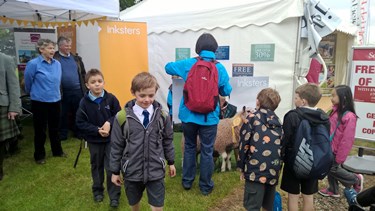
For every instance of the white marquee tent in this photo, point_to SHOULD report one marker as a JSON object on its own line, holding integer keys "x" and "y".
{"x": 237, "y": 23}
{"x": 27, "y": 13}
{"x": 58, "y": 10}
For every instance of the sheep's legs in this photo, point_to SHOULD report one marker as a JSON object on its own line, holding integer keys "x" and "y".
{"x": 224, "y": 157}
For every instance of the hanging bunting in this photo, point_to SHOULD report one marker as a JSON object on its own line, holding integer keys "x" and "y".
{"x": 3, "y": 19}
{"x": 26, "y": 23}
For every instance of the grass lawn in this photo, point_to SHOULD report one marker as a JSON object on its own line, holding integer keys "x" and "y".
{"x": 58, "y": 186}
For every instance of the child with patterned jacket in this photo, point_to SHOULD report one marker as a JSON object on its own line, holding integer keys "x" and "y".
{"x": 94, "y": 119}
{"x": 260, "y": 151}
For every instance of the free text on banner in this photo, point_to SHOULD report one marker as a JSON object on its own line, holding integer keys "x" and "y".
{"x": 123, "y": 54}
{"x": 363, "y": 87}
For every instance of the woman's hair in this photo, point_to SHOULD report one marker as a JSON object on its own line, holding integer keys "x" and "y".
{"x": 42, "y": 43}
{"x": 346, "y": 102}
{"x": 206, "y": 42}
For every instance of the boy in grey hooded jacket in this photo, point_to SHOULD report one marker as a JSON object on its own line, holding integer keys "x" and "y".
{"x": 140, "y": 149}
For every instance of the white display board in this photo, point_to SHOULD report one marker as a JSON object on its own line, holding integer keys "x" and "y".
{"x": 25, "y": 40}
{"x": 362, "y": 82}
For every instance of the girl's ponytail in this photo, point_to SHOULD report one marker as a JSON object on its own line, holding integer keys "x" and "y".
{"x": 346, "y": 102}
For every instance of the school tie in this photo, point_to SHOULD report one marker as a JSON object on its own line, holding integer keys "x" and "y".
{"x": 145, "y": 120}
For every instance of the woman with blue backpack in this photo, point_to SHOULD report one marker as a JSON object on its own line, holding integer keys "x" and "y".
{"x": 343, "y": 121}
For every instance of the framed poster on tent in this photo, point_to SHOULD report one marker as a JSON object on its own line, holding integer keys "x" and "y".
{"x": 25, "y": 40}
{"x": 327, "y": 49}
{"x": 69, "y": 32}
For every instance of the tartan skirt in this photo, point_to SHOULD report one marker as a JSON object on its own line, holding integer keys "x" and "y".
{"x": 8, "y": 128}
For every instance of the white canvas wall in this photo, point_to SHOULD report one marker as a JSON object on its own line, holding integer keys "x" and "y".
{"x": 88, "y": 45}
{"x": 281, "y": 70}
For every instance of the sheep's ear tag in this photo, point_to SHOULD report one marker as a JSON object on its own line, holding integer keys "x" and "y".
{"x": 236, "y": 121}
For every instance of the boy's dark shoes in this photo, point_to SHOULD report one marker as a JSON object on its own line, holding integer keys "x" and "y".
{"x": 63, "y": 138}
{"x": 98, "y": 198}
{"x": 355, "y": 207}
{"x": 63, "y": 155}
{"x": 186, "y": 187}
{"x": 41, "y": 161}
{"x": 206, "y": 193}
{"x": 351, "y": 196}
{"x": 1, "y": 174}
{"x": 114, "y": 203}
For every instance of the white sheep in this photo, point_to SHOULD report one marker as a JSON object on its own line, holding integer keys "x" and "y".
{"x": 227, "y": 139}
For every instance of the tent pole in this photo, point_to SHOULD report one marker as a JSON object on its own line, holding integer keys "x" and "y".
{"x": 297, "y": 57}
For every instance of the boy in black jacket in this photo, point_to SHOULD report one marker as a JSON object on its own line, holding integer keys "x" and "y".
{"x": 306, "y": 98}
{"x": 94, "y": 118}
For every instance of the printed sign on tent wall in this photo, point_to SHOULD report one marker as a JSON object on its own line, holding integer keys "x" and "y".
{"x": 242, "y": 69}
{"x": 222, "y": 53}
{"x": 362, "y": 83}
{"x": 182, "y": 53}
{"x": 262, "y": 52}
{"x": 242, "y": 86}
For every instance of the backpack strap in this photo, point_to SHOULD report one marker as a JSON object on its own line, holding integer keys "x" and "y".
{"x": 121, "y": 119}
{"x": 161, "y": 124}
{"x": 212, "y": 60}
{"x": 337, "y": 125}
{"x": 235, "y": 123}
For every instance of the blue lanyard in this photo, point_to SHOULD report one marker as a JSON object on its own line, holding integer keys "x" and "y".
{"x": 337, "y": 125}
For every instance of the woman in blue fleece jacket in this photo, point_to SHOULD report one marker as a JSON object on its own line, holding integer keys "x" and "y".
{"x": 204, "y": 125}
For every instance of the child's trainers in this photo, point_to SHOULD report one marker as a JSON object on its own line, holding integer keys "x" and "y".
{"x": 351, "y": 196}
{"x": 358, "y": 187}
{"x": 326, "y": 192}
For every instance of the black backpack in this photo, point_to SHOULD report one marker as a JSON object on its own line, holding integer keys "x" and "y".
{"x": 312, "y": 155}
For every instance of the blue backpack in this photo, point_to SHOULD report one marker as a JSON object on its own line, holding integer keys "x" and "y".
{"x": 312, "y": 157}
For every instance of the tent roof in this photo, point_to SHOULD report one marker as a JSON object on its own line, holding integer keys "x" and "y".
{"x": 58, "y": 10}
{"x": 173, "y": 15}
{"x": 347, "y": 28}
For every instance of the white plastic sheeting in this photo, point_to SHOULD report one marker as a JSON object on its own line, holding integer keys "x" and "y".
{"x": 58, "y": 10}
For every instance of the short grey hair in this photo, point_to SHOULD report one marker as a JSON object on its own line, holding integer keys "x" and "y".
{"x": 42, "y": 43}
{"x": 62, "y": 39}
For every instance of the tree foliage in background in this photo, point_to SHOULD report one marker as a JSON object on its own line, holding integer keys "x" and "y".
{"x": 127, "y": 3}
{"x": 7, "y": 42}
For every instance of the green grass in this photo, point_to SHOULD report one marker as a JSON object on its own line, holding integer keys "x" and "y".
{"x": 58, "y": 186}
